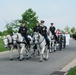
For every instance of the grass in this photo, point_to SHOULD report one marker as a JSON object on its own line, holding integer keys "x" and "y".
{"x": 72, "y": 72}
{"x": 2, "y": 48}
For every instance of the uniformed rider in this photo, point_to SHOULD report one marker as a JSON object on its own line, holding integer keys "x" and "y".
{"x": 23, "y": 31}
{"x": 43, "y": 31}
{"x": 52, "y": 29}
{"x": 37, "y": 27}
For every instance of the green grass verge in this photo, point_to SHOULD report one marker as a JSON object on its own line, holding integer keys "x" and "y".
{"x": 2, "y": 48}
{"x": 73, "y": 71}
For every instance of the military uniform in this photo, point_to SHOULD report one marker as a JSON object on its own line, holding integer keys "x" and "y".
{"x": 37, "y": 29}
{"x": 23, "y": 32}
{"x": 44, "y": 33}
{"x": 52, "y": 29}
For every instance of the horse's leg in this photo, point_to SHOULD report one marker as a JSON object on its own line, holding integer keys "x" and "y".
{"x": 42, "y": 54}
{"x": 18, "y": 51}
{"x": 29, "y": 53}
{"x": 46, "y": 54}
{"x": 11, "y": 52}
{"x": 50, "y": 50}
{"x": 54, "y": 46}
{"x": 35, "y": 49}
{"x": 21, "y": 52}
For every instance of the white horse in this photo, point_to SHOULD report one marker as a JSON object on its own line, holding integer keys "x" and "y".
{"x": 19, "y": 41}
{"x": 52, "y": 42}
{"x": 41, "y": 43}
{"x": 9, "y": 44}
{"x": 22, "y": 45}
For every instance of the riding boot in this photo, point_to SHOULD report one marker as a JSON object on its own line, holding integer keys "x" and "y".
{"x": 28, "y": 43}
{"x": 48, "y": 46}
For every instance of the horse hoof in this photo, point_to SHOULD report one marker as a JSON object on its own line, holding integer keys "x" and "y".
{"x": 21, "y": 59}
{"x": 27, "y": 58}
{"x": 34, "y": 55}
{"x": 47, "y": 59}
{"x": 40, "y": 61}
{"x": 38, "y": 54}
{"x": 54, "y": 50}
{"x": 26, "y": 55}
{"x": 18, "y": 57}
{"x": 50, "y": 51}
{"x": 44, "y": 58}
{"x": 11, "y": 59}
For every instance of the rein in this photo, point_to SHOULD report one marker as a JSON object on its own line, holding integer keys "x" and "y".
{"x": 18, "y": 41}
{"x": 38, "y": 39}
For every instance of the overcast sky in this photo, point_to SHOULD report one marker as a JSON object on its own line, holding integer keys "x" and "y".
{"x": 60, "y": 12}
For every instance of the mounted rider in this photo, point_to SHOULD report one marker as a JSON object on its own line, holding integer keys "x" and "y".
{"x": 43, "y": 31}
{"x": 23, "y": 31}
{"x": 52, "y": 29}
{"x": 37, "y": 27}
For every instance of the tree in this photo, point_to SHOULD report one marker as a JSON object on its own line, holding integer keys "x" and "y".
{"x": 13, "y": 26}
{"x": 5, "y": 33}
{"x": 29, "y": 16}
{"x": 73, "y": 30}
{"x": 0, "y": 33}
{"x": 9, "y": 28}
{"x": 67, "y": 29}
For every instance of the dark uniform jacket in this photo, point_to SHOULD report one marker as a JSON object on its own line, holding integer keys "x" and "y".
{"x": 37, "y": 29}
{"x": 23, "y": 30}
{"x": 43, "y": 30}
{"x": 52, "y": 29}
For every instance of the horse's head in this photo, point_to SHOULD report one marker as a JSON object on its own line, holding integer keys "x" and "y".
{"x": 36, "y": 37}
{"x": 49, "y": 33}
{"x": 15, "y": 38}
{"x": 30, "y": 39}
{"x": 5, "y": 40}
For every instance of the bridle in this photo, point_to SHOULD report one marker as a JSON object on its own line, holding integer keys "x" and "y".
{"x": 38, "y": 39}
{"x": 9, "y": 41}
{"x": 17, "y": 40}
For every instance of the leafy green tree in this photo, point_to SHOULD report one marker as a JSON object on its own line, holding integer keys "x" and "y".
{"x": 4, "y": 33}
{"x": 0, "y": 33}
{"x": 29, "y": 16}
{"x": 9, "y": 28}
{"x": 73, "y": 30}
{"x": 67, "y": 29}
{"x": 13, "y": 26}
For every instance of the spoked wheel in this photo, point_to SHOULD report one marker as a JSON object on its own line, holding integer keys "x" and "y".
{"x": 64, "y": 42}
{"x": 51, "y": 46}
{"x": 60, "y": 42}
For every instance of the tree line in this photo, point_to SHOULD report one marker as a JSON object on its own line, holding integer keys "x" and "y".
{"x": 30, "y": 18}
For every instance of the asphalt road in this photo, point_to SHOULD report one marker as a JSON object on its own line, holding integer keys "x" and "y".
{"x": 56, "y": 61}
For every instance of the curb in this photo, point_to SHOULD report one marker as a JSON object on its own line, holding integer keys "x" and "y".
{"x": 1, "y": 53}
{"x": 68, "y": 67}
{"x": 5, "y": 52}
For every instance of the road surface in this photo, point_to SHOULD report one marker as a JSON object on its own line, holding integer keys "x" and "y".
{"x": 56, "y": 61}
